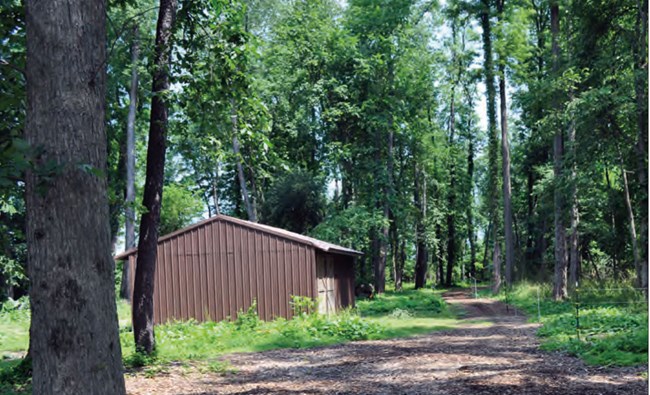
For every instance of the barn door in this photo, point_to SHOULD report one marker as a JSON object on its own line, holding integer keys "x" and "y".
{"x": 325, "y": 278}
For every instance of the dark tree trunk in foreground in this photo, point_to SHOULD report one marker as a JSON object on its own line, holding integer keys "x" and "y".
{"x": 129, "y": 242}
{"x": 153, "y": 189}
{"x": 74, "y": 342}
{"x": 560, "y": 277}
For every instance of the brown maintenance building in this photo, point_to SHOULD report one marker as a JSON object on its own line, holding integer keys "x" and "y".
{"x": 214, "y": 268}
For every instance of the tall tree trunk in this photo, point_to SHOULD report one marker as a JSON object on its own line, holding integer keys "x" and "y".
{"x": 398, "y": 270}
{"x": 560, "y": 277}
{"x": 505, "y": 154}
{"x": 421, "y": 259}
{"x": 74, "y": 342}
{"x": 641, "y": 93}
{"x": 129, "y": 218}
{"x": 380, "y": 268}
{"x": 153, "y": 189}
{"x": 493, "y": 144}
{"x": 470, "y": 178}
{"x": 496, "y": 274}
{"x": 451, "y": 196}
{"x": 252, "y": 215}
{"x": 574, "y": 219}
{"x": 215, "y": 193}
{"x": 530, "y": 222}
{"x": 439, "y": 255}
{"x": 630, "y": 217}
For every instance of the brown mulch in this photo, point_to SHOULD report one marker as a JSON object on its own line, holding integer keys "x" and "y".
{"x": 500, "y": 358}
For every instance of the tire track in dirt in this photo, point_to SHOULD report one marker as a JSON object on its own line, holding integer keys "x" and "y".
{"x": 501, "y": 357}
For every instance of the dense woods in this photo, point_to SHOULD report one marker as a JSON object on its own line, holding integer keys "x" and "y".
{"x": 501, "y": 140}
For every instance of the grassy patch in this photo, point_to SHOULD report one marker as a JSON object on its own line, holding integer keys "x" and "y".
{"x": 410, "y": 312}
{"x": 613, "y": 322}
{"x": 393, "y": 314}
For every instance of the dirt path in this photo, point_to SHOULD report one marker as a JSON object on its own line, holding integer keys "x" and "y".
{"x": 501, "y": 358}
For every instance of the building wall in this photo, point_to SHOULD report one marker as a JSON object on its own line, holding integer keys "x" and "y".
{"x": 213, "y": 271}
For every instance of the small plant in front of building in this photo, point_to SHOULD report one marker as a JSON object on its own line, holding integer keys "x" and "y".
{"x": 248, "y": 320}
{"x": 303, "y": 305}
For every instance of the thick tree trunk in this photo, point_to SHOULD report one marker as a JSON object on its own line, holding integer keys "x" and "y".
{"x": 252, "y": 215}
{"x": 148, "y": 236}
{"x": 560, "y": 277}
{"x": 129, "y": 218}
{"x": 74, "y": 342}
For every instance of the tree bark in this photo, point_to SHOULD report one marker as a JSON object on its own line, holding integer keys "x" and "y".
{"x": 74, "y": 342}
{"x": 505, "y": 157}
{"x": 470, "y": 206}
{"x": 421, "y": 259}
{"x": 129, "y": 242}
{"x": 496, "y": 273}
{"x": 252, "y": 215}
{"x": 451, "y": 197}
{"x": 574, "y": 214}
{"x": 630, "y": 217}
{"x": 493, "y": 144}
{"x": 148, "y": 236}
{"x": 641, "y": 93}
{"x": 560, "y": 277}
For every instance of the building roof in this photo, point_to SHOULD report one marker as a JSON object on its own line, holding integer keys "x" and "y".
{"x": 318, "y": 244}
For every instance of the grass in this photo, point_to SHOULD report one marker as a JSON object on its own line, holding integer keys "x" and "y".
{"x": 613, "y": 322}
{"x": 392, "y": 314}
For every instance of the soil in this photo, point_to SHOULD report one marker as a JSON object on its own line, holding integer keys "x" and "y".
{"x": 501, "y": 357}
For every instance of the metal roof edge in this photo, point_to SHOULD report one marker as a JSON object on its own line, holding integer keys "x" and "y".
{"x": 318, "y": 244}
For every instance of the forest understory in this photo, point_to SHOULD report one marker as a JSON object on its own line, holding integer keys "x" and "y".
{"x": 502, "y": 357}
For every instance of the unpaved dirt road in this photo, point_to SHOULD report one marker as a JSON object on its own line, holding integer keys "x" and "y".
{"x": 501, "y": 358}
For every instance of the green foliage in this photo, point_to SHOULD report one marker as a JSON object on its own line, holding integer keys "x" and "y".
{"x": 248, "y": 320}
{"x": 302, "y": 305}
{"x": 15, "y": 376}
{"x": 180, "y": 207}
{"x": 422, "y": 302}
{"x": 295, "y": 201}
{"x": 613, "y": 322}
{"x": 14, "y": 325}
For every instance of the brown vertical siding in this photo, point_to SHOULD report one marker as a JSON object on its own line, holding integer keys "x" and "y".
{"x": 212, "y": 271}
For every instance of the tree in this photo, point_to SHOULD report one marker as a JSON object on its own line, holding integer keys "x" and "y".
{"x": 505, "y": 158}
{"x": 74, "y": 338}
{"x": 493, "y": 145}
{"x": 129, "y": 200}
{"x": 153, "y": 190}
{"x": 560, "y": 277}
